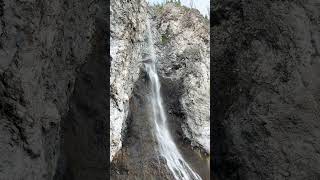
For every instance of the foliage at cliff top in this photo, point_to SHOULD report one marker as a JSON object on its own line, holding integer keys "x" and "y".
{"x": 159, "y": 8}
{"x": 202, "y": 5}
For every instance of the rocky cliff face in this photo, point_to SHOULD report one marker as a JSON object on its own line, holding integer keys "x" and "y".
{"x": 182, "y": 42}
{"x": 266, "y": 89}
{"x": 127, "y": 36}
{"x": 42, "y": 45}
{"x": 52, "y": 85}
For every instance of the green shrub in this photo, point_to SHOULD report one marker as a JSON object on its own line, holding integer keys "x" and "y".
{"x": 164, "y": 39}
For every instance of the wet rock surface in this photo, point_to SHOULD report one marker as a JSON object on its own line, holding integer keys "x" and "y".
{"x": 265, "y": 59}
{"x": 172, "y": 91}
{"x": 182, "y": 44}
{"x": 139, "y": 157}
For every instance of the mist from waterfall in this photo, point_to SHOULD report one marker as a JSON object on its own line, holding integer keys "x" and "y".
{"x": 166, "y": 145}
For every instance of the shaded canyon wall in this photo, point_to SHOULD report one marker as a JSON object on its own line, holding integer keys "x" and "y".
{"x": 42, "y": 46}
{"x": 266, "y": 89}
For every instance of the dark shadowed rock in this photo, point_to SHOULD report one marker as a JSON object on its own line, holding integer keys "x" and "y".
{"x": 42, "y": 45}
{"x": 266, "y": 89}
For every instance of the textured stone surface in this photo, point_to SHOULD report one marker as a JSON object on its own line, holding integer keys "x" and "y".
{"x": 182, "y": 42}
{"x": 266, "y": 90}
{"x": 138, "y": 157}
{"x": 84, "y": 129}
{"x": 127, "y": 35}
{"x": 42, "y": 43}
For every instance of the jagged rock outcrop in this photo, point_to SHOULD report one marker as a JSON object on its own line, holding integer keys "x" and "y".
{"x": 127, "y": 35}
{"x": 42, "y": 44}
{"x": 266, "y": 89}
{"x": 182, "y": 41}
{"x": 139, "y": 158}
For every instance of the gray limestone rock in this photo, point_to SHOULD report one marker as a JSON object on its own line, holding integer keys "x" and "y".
{"x": 182, "y": 41}
{"x": 127, "y": 35}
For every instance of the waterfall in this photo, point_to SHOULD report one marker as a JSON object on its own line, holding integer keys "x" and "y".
{"x": 167, "y": 147}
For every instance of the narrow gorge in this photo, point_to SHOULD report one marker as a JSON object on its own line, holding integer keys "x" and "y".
{"x": 159, "y": 139}
{"x": 96, "y": 90}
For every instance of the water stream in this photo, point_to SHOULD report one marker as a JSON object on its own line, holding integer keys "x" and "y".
{"x": 167, "y": 148}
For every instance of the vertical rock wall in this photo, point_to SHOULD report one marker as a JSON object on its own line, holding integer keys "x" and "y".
{"x": 266, "y": 89}
{"x": 182, "y": 41}
{"x": 42, "y": 43}
{"x": 127, "y": 34}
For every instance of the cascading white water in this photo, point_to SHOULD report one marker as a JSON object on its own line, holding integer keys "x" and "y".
{"x": 167, "y": 148}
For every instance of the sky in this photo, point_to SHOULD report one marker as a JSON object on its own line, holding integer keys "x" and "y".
{"x": 202, "y": 5}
